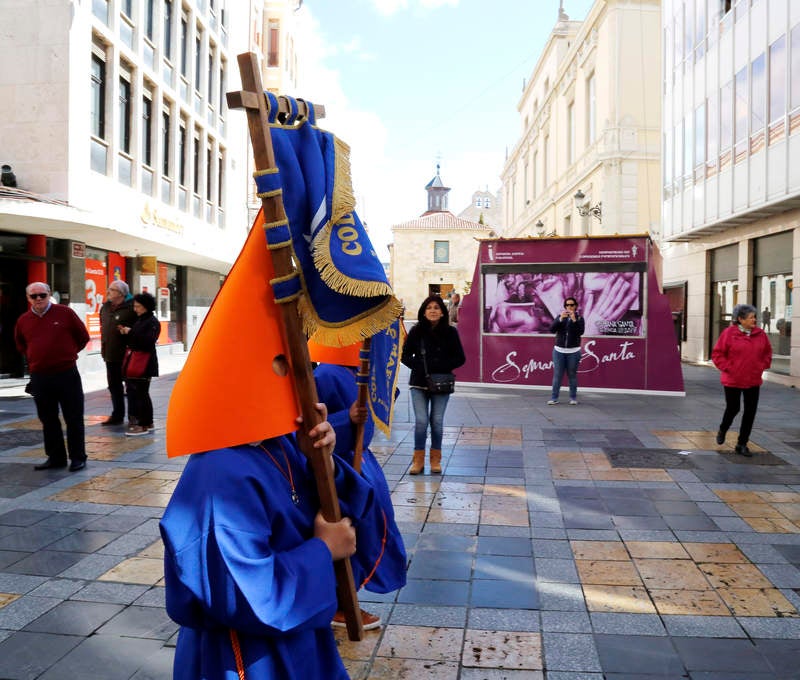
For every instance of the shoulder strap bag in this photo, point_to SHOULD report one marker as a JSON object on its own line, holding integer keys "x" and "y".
{"x": 438, "y": 383}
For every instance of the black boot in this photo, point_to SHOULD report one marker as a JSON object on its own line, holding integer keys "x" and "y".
{"x": 742, "y": 450}
{"x": 721, "y": 437}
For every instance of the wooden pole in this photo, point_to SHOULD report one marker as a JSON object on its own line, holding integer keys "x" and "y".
{"x": 254, "y": 101}
{"x": 363, "y": 371}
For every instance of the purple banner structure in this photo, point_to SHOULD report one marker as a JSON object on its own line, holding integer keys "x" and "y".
{"x": 518, "y": 288}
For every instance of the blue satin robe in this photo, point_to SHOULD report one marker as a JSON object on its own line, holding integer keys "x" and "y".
{"x": 240, "y": 554}
{"x": 336, "y": 387}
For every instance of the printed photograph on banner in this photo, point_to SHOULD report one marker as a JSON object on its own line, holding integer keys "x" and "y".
{"x": 528, "y": 302}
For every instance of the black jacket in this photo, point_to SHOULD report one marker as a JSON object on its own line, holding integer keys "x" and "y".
{"x": 112, "y": 342}
{"x": 568, "y": 332}
{"x": 443, "y": 352}
{"x": 143, "y": 336}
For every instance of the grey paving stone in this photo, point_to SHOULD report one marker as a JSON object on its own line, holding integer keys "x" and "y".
{"x": 716, "y": 654}
{"x": 517, "y": 620}
{"x": 508, "y": 532}
{"x": 75, "y": 520}
{"x": 20, "y": 612}
{"x": 23, "y": 517}
{"x": 466, "y": 544}
{"x": 504, "y": 545}
{"x": 92, "y": 566}
{"x": 499, "y": 674}
{"x": 140, "y": 622}
{"x": 45, "y": 563}
{"x": 148, "y": 528}
{"x": 702, "y": 536}
{"x": 568, "y": 675}
{"x": 758, "y": 627}
{"x": 158, "y": 666}
{"x": 781, "y": 575}
{"x": 646, "y": 535}
{"x": 566, "y": 622}
{"x": 119, "y": 657}
{"x": 74, "y": 618}
{"x": 612, "y": 623}
{"x": 25, "y": 656}
{"x": 762, "y": 554}
{"x": 716, "y": 509}
{"x": 570, "y": 652}
{"x": 551, "y": 549}
{"x": 59, "y": 587}
{"x": 731, "y": 524}
{"x": 561, "y": 597}
{"x": 154, "y": 597}
{"x": 550, "y": 520}
{"x": 32, "y": 538}
{"x": 19, "y": 584}
{"x": 444, "y": 617}
{"x": 549, "y": 533}
{"x": 504, "y": 567}
{"x": 107, "y": 591}
{"x": 703, "y": 626}
{"x": 558, "y": 570}
{"x": 592, "y": 535}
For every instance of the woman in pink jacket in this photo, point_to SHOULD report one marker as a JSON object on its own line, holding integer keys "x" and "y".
{"x": 742, "y": 354}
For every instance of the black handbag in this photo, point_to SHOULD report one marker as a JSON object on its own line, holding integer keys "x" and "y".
{"x": 437, "y": 383}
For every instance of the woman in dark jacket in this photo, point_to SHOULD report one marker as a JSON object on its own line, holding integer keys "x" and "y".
{"x": 442, "y": 349}
{"x": 142, "y": 336}
{"x": 742, "y": 353}
{"x": 568, "y": 327}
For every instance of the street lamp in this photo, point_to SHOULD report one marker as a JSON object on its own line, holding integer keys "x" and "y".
{"x": 540, "y": 227}
{"x": 584, "y": 209}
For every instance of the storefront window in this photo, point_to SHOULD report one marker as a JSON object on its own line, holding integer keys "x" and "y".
{"x": 724, "y": 289}
{"x": 773, "y": 287}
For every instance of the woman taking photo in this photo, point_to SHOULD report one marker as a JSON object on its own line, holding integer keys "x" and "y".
{"x": 742, "y": 354}
{"x": 142, "y": 336}
{"x": 432, "y": 346}
{"x": 568, "y": 327}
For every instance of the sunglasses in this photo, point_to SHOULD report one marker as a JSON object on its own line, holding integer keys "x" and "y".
{"x": 570, "y": 304}
{"x": 38, "y": 296}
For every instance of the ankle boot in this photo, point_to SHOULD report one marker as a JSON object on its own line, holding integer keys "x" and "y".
{"x": 436, "y": 461}
{"x": 418, "y": 464}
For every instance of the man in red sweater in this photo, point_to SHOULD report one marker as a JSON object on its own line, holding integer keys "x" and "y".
{"x": 50, "y": 336}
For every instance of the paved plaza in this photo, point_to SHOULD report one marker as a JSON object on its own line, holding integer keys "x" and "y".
{"x": 613, "y": 539}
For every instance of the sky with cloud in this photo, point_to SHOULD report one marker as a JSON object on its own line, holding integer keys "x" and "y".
{"x": 412, "y": 83}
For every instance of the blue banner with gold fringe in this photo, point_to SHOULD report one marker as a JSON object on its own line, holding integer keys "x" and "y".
{"x": 384, "y": 361}
{"x": 348, "y": 296}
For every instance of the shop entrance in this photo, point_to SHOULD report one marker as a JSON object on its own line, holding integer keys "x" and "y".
{"x": 13, "y": 279}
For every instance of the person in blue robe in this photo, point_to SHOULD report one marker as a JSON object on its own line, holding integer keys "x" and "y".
{"x": 248, "y": 561}
{"x": 379, "y": 564}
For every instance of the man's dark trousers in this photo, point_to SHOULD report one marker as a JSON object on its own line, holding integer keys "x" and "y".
{"x": 117, "y": 389}
{"x": 65, "y": 390}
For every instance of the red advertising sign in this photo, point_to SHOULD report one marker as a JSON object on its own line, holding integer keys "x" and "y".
{"x": 96, "y": 278}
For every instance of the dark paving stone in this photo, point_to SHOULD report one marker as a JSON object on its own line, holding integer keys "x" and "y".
{"x": 741, "y": 474}
{"x": 504, "y": 568}
{"x": 622, "y": 493}
{"x": 690, "y": 523}
{"x": 571, "y": 491}
{"x": 450, "y": 593}
{"x": 11, "y": 439}
{"x": 649, "y": 523}
{"x": 782, "y": 655}
{"x": 118, "y": 657}
{"x": 648, "y": 458}
{"x": 116, "y": 522}
{"x": 618, "y": 654}
{"x": 24, "y": 475}
{"x": 502, "y": 545}
{"x": 577, "y": 505}
{"x": 440, "y": 564}
{"x": 32, "y": 538}
{"x": 45, "y": 563}
{"x": 760, "y": 458}
{"x": 141, "y": 622}
{"x": 790, "y": 552}
{"x": 454, "y": 471}
{"x": 504, "y": 595}
{"x": 74, "y": 618}
{"x": 8, "y": 557}
{"x": 84, "y": 541}
{"x": 24, "y": 518}
{"x": 587, "y": 520}
{"x": 718, "y": 654}
{"x": 15, "y": 490}
{"x": 24, "y": 656}
{"x": 677, "y": 508}
{"x": 666, "y": 494}
{"x": 640, "y": 676}
{"x": 631, "y": 507}
{"x": 74, "y": 520}
{"x": 158, "y": 666}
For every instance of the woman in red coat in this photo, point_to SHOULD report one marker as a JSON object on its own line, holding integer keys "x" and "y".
{"x": 742, "y": 354}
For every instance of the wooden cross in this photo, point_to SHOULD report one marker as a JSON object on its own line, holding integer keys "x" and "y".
{"x": 253, "y": 100}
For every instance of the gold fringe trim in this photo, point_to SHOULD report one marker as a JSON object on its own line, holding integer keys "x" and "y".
{"x": 279, "y": 223}
{"x": 270, "y": 194}
{"x": 267, "y": 171}
{"x": 278, "y": 246}
{"x": 343, "y": 200}
{"x": 335, "y": 279}
{"x": 353, "y": 330}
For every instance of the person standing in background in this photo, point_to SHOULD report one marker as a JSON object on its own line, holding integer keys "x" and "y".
{"x": 742, "y": 353}
{"x": 116, "y": 311}
{"x": 568, "y": 327}
{"x": 142, "y": 336}
{"x": 432, "y": 346}
{"x": 50, "y": 336}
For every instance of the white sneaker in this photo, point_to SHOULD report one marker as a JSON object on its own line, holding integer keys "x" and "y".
{"x": 552, "y": 402}
{"x": 573, "y": 402}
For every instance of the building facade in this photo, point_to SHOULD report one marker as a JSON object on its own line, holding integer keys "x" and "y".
{"x": 731, "y": 183}
{"x": 587, "y": 161}
{"x": 435, "y": 254}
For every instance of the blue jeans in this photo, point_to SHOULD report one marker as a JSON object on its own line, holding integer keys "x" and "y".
{"x": 428, "y": 408}
{"x": 569, "y": 363}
